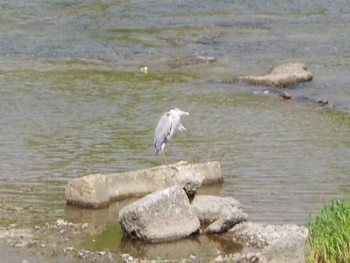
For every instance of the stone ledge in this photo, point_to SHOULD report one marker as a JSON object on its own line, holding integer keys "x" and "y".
{"x": 99, "y": 190}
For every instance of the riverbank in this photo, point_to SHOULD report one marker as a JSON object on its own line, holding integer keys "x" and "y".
{"x": 62, "y": 242}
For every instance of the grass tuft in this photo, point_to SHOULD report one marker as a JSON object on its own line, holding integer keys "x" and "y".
{"x": 329, "y": 235}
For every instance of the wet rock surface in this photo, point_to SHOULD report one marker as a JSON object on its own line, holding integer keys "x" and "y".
{"x": 288, "y": 95}
{"x": 161, "y": 216}
{"x": 190, "y": 61}
{"x": 218, "y": 213}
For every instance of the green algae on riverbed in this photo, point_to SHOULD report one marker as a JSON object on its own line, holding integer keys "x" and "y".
{"x": 109, "y": 239}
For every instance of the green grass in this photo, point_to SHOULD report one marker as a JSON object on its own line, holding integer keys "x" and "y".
{"x": 329, "y": 236}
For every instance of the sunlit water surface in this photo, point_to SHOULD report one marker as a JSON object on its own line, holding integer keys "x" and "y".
{"x": 73, "y": 101}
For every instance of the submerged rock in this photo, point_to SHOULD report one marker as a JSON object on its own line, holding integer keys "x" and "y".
{"x": 190, "y": 61}
{"x": 220, "y": 213}
{"x": 281, "y": 76}
{"x": 161, "y": 216}
{"x": 98, "y": 190}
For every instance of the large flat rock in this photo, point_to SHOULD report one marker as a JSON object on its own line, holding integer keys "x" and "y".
{"x": 161, "y": 216}
{"x": 99, "y": 190}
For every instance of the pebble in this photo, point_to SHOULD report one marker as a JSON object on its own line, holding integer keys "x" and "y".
{"x": 254, "y": 259}
{"x": 219, "y": 259}
{"x": 85, "y": 225}
{"x": 285, "y": 95}
{"x": 68, "y": 249}
{"x": 144, "y": 69}
{"x": 61, "y": 222}
{"x": 83, "y": 253}
{"x": 193, "y": 257}
{"x": 322, "y": 102}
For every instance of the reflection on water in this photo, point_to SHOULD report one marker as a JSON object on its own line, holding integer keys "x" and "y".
{"x": 104, "y": 233}
{"x": 202, "y": 246}
{"x": 74, "y": 102}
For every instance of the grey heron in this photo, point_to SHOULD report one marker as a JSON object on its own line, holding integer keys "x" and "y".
{"x": 168, "y": 123}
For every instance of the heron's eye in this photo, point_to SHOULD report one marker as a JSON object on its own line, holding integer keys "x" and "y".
{"x": 168, "y": 114}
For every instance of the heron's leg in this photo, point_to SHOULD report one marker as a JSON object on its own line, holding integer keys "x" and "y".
{"x": 164, "y": 161}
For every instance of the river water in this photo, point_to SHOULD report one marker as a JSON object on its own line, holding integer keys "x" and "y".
{"x": 74, "y": 102}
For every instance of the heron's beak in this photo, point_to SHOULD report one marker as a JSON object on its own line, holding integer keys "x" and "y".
{"x": 183, "y": 112}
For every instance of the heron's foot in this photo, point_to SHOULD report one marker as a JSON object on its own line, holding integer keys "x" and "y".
{"x": 177, "y": 165}
{"x": 173, "y": 166}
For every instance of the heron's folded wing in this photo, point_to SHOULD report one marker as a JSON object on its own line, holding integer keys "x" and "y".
{"x": 164, "y": 129}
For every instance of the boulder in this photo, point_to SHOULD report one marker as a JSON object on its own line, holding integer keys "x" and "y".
{"x": 219, "y": 213}
{"x": 281, "y": 76}
{"x": 278, "y": 243}
{"x": 98, "y": 190}
{"x": 88, "y": 191}
{"x": 161, "y": 216}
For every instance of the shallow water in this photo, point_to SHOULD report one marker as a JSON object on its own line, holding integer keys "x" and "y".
{"x": 74, "y": 102}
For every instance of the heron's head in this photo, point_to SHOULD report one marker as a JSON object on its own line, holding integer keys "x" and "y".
{"x": 180, "y": 112}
